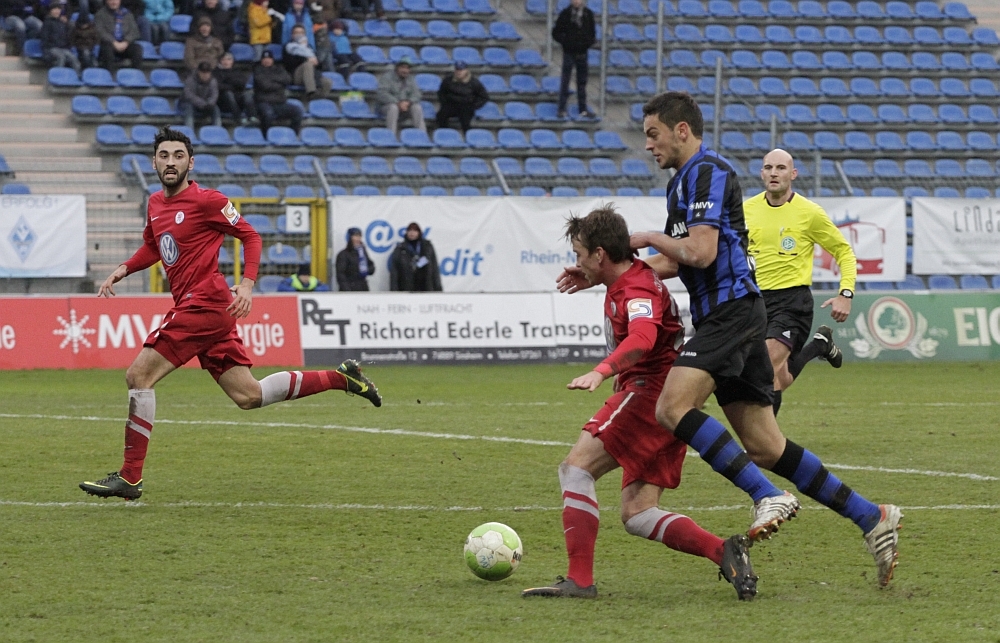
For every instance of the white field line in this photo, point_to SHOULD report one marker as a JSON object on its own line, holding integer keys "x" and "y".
{"x": 116, "y": 504}
{"x": 454, "y": 436}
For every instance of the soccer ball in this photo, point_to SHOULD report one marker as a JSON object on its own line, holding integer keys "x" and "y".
{"x": 493, "y": 551}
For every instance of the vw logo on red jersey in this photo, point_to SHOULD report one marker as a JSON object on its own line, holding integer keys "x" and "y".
{"x": 169, "y": 252}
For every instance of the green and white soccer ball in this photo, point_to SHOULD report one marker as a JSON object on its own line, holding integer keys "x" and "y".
{"x": 493, "y": 551}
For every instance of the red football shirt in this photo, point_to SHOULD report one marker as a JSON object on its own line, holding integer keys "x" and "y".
{"x": 639, "y": 297}
{"x": 185, "y": 233}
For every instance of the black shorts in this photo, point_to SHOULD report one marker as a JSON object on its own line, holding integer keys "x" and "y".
{"x": 789, "y": 315}
{"x": 730, "y": 345}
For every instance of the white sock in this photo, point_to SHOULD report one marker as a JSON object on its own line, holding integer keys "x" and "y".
{"x": 274, "y": 388}
{"x": 651, "y": 523}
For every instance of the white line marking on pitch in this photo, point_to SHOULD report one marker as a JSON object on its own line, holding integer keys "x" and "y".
{"x": 454, "y": 436}
{"x": 377, "y": 507}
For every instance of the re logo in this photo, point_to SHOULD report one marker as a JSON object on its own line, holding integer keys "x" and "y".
{"x": 787, "y": 244}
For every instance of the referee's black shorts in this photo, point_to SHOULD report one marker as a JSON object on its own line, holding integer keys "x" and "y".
{"x": 729, "y": 344}
{"x": 789, "y": 315}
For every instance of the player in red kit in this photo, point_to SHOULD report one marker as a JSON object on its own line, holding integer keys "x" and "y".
{"x": 185, "y": 227}
{"x": 643, "y": 334}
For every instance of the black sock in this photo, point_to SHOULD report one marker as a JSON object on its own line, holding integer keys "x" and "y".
{"x": 810, "y": 351}
{"x": 777, "y": 403}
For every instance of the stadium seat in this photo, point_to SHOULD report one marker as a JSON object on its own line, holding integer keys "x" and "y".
{"x": 537, "y": 167}
{"x": 64, "y": 77}
{"x": 861, "y": 114}
{"x": 349, "y": 137}
{"x": 922, "y": 114}
{"x": 283, "y": 254}
{"x": 264, "y": 191}
{"x": 125, "y": 106}
{"x": 241, "y": 165}
{"x": 469, "y": 166}
{"x": 281, "y": 136}
{"x": 532, "y": 190}
{"x": 365, "y": 190}
{"x": 165, "y": 79}
{"x": 98, "y": 77}
{"x": 375, "y": 166}
{"x": 341, "y": 166}
{"x": 498, "y": 57}
{"x": 571, "y": 167}
{"x": 979, "y": 168}
{"x": 985, "y": 37}
{"x": 261, "y": 223}
{"x": 180, "y": 24}
{"x": 208, "y": 165}
{"x": 600, "y": 191}
{"x": 973, "y": 282}
{"x": 172, "y": 51}
{"x": 86, "y": 105}
{"x": 890, "y": 142}
{"x": 917, "y": 169}
{"x": 441, "y": 166}
{"x": 565, "y": 191}
{"x": 941, "y": 282}
{"x": 887, "y": 169}
{"x": 274, "y": 165}
{"x": 112, "y": 136}
{"x": 889, "y": 113}
{"x": 912, "y": 282}
{"x": 129, "y": 78}
{"x": 407, "y": 167}
{"x": 249, "y": 137}
{"x": 294, "y": 192}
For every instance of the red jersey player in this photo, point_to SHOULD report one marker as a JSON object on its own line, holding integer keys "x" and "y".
{"x": 643, "y": 334}
{"x": 185, "y": 227}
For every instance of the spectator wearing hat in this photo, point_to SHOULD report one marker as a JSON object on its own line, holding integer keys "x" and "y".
{"x": 344, "y": 59}
{"x": 84, "y": 37}
{"x": 158, "y": 14}
{"x": 222, "y": 21}
{"x": 398, "y": 97}
{"x": 119, "y": 32}
{"x": 302, "y": 63}
{"x": 234, "y": 96}
{"x": 303, "y": 281}
{"x": 413, "y": 265}
{"x": 576, "y": 31}
{"x": 354, "y": 266}
{"x": 270, "y": 94}
{"x": 202, "y": 46}
{"x": 55, "y": 39}
{"x": 201, "y": 96}
{"x": 460, "y": 95}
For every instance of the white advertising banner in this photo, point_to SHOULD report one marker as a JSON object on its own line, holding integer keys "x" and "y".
{"x": 956, "y": 236}
{"x": 428, "y": 328}
{"x": 876, "y": 229}
{"x": 483, "y": 244}
{"x": 43, "y": 235}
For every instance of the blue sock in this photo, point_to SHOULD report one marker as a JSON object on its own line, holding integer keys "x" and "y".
{"x": 716, "y": 446}
{"x": 804, "y": 469}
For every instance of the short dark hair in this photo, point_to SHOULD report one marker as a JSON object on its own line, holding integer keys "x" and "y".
{"x": 602, "y": 228}
{"x": 676, "y": 107}
{"x": 166, "y": 134}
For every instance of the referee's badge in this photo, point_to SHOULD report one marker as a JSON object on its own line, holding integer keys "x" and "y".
{"x": 787, "y": 244}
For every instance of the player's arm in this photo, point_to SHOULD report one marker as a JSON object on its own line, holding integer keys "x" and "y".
{"x": 697, "y": 250}
{"x": 144, "y": 257}
{"x": 640, "y": 340}
{"x": 664, "y": 266}
{"x": 831, "y": 239}
{"x": 224, "y": 217}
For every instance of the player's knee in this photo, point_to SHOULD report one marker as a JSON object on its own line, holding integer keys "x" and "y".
{"x": 628, "y": 513}
{"x": 246, "y": 400}
{"x": 667, "y": 416}
{"x": 135, "y": 378}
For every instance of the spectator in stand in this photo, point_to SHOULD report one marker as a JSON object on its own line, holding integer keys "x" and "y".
{"x": 297, "y": 15}
{"x": 222, "y": 21}
{"x": 413, "y": 265}
{"x": 234, "y": 95}
{"x": 354, "y": 266}
{"x": 202, "y": 46}
{"x": 260, "y": 18}
{"x": 301, "y": 62}
{"x": 324, "y": 48}
{"x": 576, "y": 31}
{"x": 303, "y": 281}
{"x": 18, "y": 18}
{"x": 363, "y": 9}
{"x": 344, "y": 59}
{"x": 118, "y": 32}
{"x": 55, "y": 39}
{"x": 158, "y": 14}
{"x": 84, "y": 37}
{"x": 460, "y": 95}
{"x": 325, "y": 11}
{"x": 398, "y": 96}
{"x": 201, "y": 96}
{"x": 138, "y": 10}
{"x": 270, "y": 85}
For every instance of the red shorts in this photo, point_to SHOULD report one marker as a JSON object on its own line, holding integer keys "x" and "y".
{"x": 627, "y": 426}
{"x": 203, "y": 331}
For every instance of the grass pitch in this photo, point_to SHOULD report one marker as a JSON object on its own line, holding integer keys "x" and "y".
{"x": 326, "y": 519}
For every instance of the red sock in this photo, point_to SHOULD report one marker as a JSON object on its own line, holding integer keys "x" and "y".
{"x": 580, "y": 531}
{"x": 138, "y": 428}
{"x": 315, "y": 382}
{"x": 683, "y": 534}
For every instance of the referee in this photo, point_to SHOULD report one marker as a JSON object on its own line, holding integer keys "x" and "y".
{"x": 784, "y": 227}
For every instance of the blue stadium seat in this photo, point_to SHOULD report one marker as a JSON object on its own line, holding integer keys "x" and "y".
{"x": 895, "y": 61}
{"x": 15, "y": 188}
{"x": 379, "y": 29}
{"x": 400, "y": 190}
{"x": 466, "y": 190}
{"x": 498, "y": 57}
{"x": 950, "y": 141}
{"x": 634, "y": 168}
{"x": 565, "y": 191}
{"x": 832, "y": 60}
{"x": 413, "y": 138}
{"x": 362, "y": 81}
{"x": 715, "y": 34}
{"x": 743, "y": 86}
{"x": 691, "y": 9}
{"x": 518, "y": 111}
{"x": 408, "y": 167}
{"x": 921, "y": 113}
{"x": 180, "y": 24}
{"x": 449, "y": 139}
{"x": 365, "y": 190}
{"x": 504, "y": 31}
{"x": 748, "y": 35}
{"x": 532, "y": 190}
{"x": 605, "y": 140}
{"x": 751, "y": 9}
{"x": 172, "y": 51}
{"x": 957, "y": 37}
{"x": 684, "y": 59}
{"x": 349, "y": 137}
{"x": 113, "y": 136}
{"x": 837, "y": 35}
{"x": 490, "y": 112}
{"x": 208, "y": 165}
{"x": 941, "y": 282}
{"x": 545, "y": 140}
{"x": 869, "y": 10}
{"x": 524, "y": 84}
{"x": 480, "y": 139}
{"x": 917, "y": 169}
{"x": 861, "y": 114}
{"x": 977, "y": 192}
{"x": 984, "y": 62}
{"x": 64, "y": 77}
{"x": 283, "y": 254}
{"x": 890, "y": 113}
{"x": 800, "y": 114}
{"x": 985, "y": 37}
{"x": 921, "y": 141}
{"x": 954, "y": 62}
{"x": 375, "y": 166}
{"x": 979, "y": 168}
{"x": 779, "y": 35}
{"x": 341, "y": 166}
{"x": 274, "y": 165}
{"x": 511, "y": 167}
{"x": 125, "y": 106}
{"x": 599, "y": 191}
{"x": 90, "y": 106}
{"x": 281, "y": 136}
{"x": 796, "y": 141}
{"x": 625, "y": 32}
{"x": 165, "y": 79}
{"x": 129, "y": 78}
{"x": 249, "y": 137}
{"x": 538, "y": 167}
{"x": 764, "y": 111}
{"x": 242, "y": 52}
{"x": 884, "y": 192}
{"x": 620, "y": 86}
{"x": 887, "y": 169}
{"x": 890, "y": 142}
{"x": 441, "y": 167}
{"x": 144, "y": 160}
{"x": 512, "y": 139}
{"x": 809, "y": 35}
{"x": 781, "y": 10}
{"x": 983, "y": 88}
{"x": 316, "y": 137}
{"x": 294, "y": 192}
{"x": 357, "y": 110}
{"x": 775, "y": 60}
{"x": 899, "y": 10}
{"x": 927, "y": 10}
{"x": 812, "y": 10}
{"x": 303, "y": 164}
{"x": 830, "y": 87}
{"x": 898, "y": 36}
{"x": 264, "y": 191}
{"x": 475, "y": 166}
{"x": 571, "y": 167}
{"x": 973, "y": 282}
{"x": 469, "y": 55}
{"x": 856, "y": 169}
{"x": 233, "y": 191}
{"x": 949, "y": 169}
{"x": 828, "y": 142}
{"x": 260, "y": 222}
{"x": 912, "y": 282}
{"x": 895, "y": 87}
{"x": 241, "y": 165}
{"x": 952, "y": 87}
{"x": 98, "y": 77}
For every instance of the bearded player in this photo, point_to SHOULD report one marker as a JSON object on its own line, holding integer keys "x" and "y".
{"x": 643, "y": 334}
{"x": 186, "y": 225}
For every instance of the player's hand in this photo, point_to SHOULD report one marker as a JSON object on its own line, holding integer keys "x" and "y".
{"x": 243, "y": 301}
{"x": 106, "y": 289}
{"x": 640, "y": 240}
{"x": 588, "y": 382}
{"x": 841, "y": 308}
{"x": 571, "y": 279}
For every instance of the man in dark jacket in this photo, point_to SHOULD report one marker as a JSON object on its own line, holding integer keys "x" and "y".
{"x": 17, "y": 17}
{"x": 234, "y": 96}
{"x": 118, "y": 31}
{"x": 576, "y": 31}
{"x": 461, "y": 95}
{"x": 270, "y": 84}
{"x": 201, "y": 97}
{"x": 55, "y": 39}
{"x": 222, "y": 21}
{"x": 303, "y": 281}
{"x": 413, "y": 266}
{"x": 354, "y": 266}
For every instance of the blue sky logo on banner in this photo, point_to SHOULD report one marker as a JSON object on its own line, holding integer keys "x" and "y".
{"x": 22, "y": 238}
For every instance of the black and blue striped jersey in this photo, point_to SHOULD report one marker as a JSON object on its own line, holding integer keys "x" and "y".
{"x": 706, "y": 192}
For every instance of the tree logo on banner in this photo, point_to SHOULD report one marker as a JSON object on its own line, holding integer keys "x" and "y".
{"x": 22, "y": 238}
{"x": 891, "y": 325}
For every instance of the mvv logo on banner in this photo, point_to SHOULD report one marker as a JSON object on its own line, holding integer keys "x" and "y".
{"x": 891, "y": 325}
{"x": 23, "y": 238}
{"x": 75, "y": 332}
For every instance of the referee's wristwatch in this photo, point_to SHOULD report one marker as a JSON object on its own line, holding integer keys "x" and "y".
{"x": 847, "y": 293}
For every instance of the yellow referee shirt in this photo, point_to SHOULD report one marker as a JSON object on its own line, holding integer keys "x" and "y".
{"x": 782, "y": 239}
